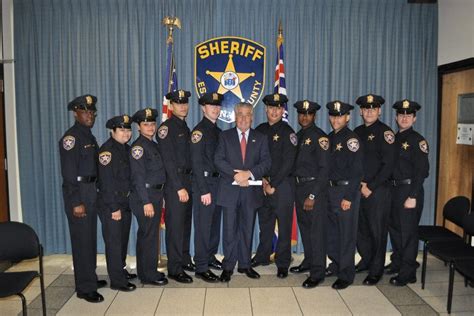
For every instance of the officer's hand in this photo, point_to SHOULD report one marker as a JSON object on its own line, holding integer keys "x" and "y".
{"x": 409, "y": 203}
{"x": 365, "y": 190}
{"x": 79, "y": 211}
{"x": 244, "y": 183}
{"x": 265, "y": 182}
{"x": 117, "y": 215}
{"x": 308, "y": 204}
{"x": 269, "y": 190}
{"x": 206, "y": 199}
{"x": 241, "y": 176}
{"x": 183, "y": 195}
{"x": 149, "y": 210}
{"x": 345, "y": 204}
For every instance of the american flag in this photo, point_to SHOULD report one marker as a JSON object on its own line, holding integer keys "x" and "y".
{"x": 280, "y": 81}
{"x": 170, "y": 81}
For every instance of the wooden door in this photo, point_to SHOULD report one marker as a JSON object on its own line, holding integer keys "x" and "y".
{"x": 456, "y": 162}
{"x": 4, "y": 210}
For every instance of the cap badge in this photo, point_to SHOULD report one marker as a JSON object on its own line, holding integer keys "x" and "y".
{"x": 306, "y": 105}
{"x": 88, "y": 100}
{"x": 147, "y": 113}
{"x": 181, "y": 93}
{"x": 406, "y": 104}
{"x": 337, "y": 106}
{"x": 370, "y": 98}
{"x": 126, "y": 119}
{"x": 276, "y": 97}
{"x": 215, "y": 97}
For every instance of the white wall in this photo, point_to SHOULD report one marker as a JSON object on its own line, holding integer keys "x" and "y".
{"x": 455, "y": 30}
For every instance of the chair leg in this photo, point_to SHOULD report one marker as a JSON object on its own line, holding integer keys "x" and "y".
{"x": 43, "y": 295}
{"x": 450, "y": 286}
{"x": 423, "y": 265}
{"x": 23, "y": 303}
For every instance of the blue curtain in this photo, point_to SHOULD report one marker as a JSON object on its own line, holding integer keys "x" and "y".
{"x": 115, "y": 49}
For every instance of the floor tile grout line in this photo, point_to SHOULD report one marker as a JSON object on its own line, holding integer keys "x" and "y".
{"x": 251, "y": 305}
{"x": 159, "y": 301}
{"x": 297, "y": 301}
{"x": 344, "y": 301}
{"x": 113, "y": 300}
{"x": 204, "y": 303}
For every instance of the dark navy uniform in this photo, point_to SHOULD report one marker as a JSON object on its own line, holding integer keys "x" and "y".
{"x": 148, "y": 178}
{"x": 114, "y": 191}
{"x": 411, "y": 169}
{"x": 282, "y": 142}
{"x": 378, "y": 147}
{"x": 311, "y": 174}
{"x": 174, "y": 143}
{"x": 345, "y": 174}
{"x": 207, "y": 218}
{"x": 78, "y": 150}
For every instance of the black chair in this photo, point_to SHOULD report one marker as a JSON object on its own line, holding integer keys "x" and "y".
{"x": 454, "y": 251}
{"x": 18, "y": 242}
{"x": 466, "y": 268}
{"x": 454, "y": 211}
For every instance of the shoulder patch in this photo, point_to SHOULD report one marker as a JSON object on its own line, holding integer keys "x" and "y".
{"x": 69, "y": 142}
{"x": 424, "y": 146}
{"x": 105, "y": 157}
{"x": 293, "y": 139}
{"x": 324, "y": 143}
{"x": 389, "y": 137}
{"x": 137, "y": 152}
{"x": 353, "y": 144}
{"x": 196, "y": 136}
{"x": 163, "y": 132}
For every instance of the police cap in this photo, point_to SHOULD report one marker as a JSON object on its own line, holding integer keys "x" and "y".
{"x": 338, "y": 108}
{"x": 212, "y": 98}
{"x": 121, "y": 121}
{"x": 179, "y": 96}
{"x": 370, "y": 101}
{"x": 145, "y": 115}
{"x": 275, "y": 99}
{"x": 306, "y": 107}
{"x": 406, "y": 106}
{"x": 84, "y": 102}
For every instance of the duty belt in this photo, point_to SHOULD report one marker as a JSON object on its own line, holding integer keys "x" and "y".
{"x": 86, "y": 179}
{"x": 304, "y": 179}
{"x": 185, "y": 171}
{"x": 212, "y": 174}
{"x": 397, "y": 183}
{"x": 122, "y": 193}
{"x": 154, "y": 186}
{"x": 336, "y": 183}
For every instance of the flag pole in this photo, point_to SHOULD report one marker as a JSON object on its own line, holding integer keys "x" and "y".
{"x": 170, "y": 23}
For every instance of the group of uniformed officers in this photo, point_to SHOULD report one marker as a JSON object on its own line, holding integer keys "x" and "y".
{"x": 350, "y": 189}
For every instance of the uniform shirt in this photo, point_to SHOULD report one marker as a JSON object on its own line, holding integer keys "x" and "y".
{"x": 114, "y": 176}
{"x": 411, "y": 160}
{"x": 174, "y": 143}
{"x": 78, "y": 152}
{"x": 312, "y": 157}
{"x": 203, "y": 145}
{"x": 346, "y": 161}
{"x": 146, "y": 167}
{"x": 378, "y": 145}
{"x": 282, "y": 142}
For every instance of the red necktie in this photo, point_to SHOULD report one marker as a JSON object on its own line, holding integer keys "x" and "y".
{"x": 243, "y": 146}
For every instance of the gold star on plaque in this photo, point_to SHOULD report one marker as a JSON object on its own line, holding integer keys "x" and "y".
{"x": 405, "y": 145}
{"x": 307, "y": 141}
{"x": 371, "y": 137}
{"x": 339, "y": 147}
{"x": 275, "y": 137}
{"x": 230, "y": 79}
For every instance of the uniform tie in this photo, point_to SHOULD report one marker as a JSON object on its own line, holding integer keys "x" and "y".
{"x": 243, "y": 146}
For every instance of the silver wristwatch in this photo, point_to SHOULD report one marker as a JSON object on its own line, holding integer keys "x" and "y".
{"x": 311, "y": 196}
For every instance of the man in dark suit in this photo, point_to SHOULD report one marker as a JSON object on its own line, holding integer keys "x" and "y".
{"x": 242, "y": 154}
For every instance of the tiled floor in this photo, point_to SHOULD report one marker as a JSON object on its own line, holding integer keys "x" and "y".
{"x": 243, "y": 296}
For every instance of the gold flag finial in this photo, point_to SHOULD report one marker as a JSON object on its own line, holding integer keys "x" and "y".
{"x": 170, "y": 22}
{"x": 280, "y": 34}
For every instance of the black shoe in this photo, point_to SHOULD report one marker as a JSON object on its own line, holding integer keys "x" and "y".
{"x": 310, "y": 283}
{"x": 254, "y": 263}
{"x": 101, "y": 284}
{"x": 92, "y": 297}
{"x": 190, "y": 267}
{"x": 129, "y": 275}
{"x": 207, "y": 276}
{"x": 299, "y": 269}
{"x": 282, "y": 273}
{"x": 391, "y": 271}
{"x": 124, "y": 288}
{"x": 371, "y": 280}
{"x": 225, "y": 276}
{"x": 251, "y": 273}
{"x": 361, "y": 268}
{"x": 181, "y": 277}
{"x": 328, "y": 273}
{"x": 396, "y": 281}
{"x": 160, "y": 282}
{"x": 340, "y": 284}
{"x": 216, "y": 264}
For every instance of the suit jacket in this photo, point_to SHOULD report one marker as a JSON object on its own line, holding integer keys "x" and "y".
{"x": 228, "y": 157}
